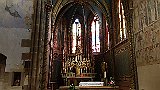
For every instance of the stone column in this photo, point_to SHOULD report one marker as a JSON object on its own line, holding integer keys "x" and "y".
{"x": 46, "y": 51}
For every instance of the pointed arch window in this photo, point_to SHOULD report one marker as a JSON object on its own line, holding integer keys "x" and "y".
{"x": 95, "y": 35}
{"x": 76, "y": 38}
{"x": 122, "y": 21}
{"x": 107, "y": 35}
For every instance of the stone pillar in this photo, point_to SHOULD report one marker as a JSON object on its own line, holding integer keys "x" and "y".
{"x": 2, "y": 70}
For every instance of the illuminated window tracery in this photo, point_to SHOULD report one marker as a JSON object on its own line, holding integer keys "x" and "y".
{"x": 76, "y": 31}
{"x": 95, "y": 35}
{"x": 122, "y": 21}
{"x": 107, "y": 35}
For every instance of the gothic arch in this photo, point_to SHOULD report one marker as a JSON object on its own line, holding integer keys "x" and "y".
{"x": 63, "y": 5}
{"x": 61, "y": 9}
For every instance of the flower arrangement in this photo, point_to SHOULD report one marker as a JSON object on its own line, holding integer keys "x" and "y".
{"x": 111, "y": 82}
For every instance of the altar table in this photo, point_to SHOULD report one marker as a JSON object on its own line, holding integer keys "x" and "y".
{"x": 90, "y": 88}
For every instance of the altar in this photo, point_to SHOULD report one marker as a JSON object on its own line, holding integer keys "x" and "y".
{"x": 73, "y": 79}
{"x": 90, "y": 88}
{"x": 77, "y": 80}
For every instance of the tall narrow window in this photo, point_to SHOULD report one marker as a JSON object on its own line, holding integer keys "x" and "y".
{"x": 76, "y": 32}
{"x": 122, "y": 21}
{"x": 95, "y": 35}
{"x": 107, "y": 36}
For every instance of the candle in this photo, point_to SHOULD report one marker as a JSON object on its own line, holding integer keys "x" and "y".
{"x": 105, "y": 74}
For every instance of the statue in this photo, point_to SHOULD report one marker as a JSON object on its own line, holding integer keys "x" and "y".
{"x": 76, "y": 70}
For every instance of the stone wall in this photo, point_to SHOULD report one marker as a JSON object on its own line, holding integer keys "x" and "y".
{"x": 147, "y": 43}
{"x": 15, "y": 28}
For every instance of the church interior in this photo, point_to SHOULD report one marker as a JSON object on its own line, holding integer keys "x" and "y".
{"x": 79, "y": 44}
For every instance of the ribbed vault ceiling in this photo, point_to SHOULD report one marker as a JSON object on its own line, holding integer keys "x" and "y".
{"x": 83, "y": 8}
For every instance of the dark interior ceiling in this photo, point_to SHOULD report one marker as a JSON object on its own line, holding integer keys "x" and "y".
{"x": 77, "y": 10}
{"x": 107, "y": 1}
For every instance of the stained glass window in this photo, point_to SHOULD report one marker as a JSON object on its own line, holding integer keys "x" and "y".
{"x": 76, "y": 32}
{"x": 122, "y": 21}
{"x": 107, "y": 36}
{"x": 95, "y": 35}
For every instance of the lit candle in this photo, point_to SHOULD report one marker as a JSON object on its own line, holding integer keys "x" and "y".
{"x": 105, "y": 74}
{"x": 80, "y": 70}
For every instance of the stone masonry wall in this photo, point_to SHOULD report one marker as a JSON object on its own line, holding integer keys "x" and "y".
{"x": 15, "y": 36}
{"x": 147, "y": 43}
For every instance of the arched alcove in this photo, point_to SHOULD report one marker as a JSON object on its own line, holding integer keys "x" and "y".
{"x": 85, "y": 56}
{"x": 61, "y": 62}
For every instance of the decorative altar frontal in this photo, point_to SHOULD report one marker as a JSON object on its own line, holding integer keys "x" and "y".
{"x": 90, "y": 88}
{"x": 91, "y": 84}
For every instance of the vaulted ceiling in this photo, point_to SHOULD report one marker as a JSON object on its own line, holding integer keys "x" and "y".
{"x": 72, "y": 8}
